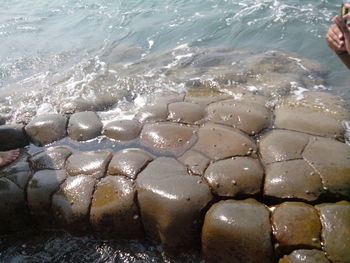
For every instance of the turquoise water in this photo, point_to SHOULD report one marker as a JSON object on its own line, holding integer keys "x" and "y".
{"x": 41, "y": 37}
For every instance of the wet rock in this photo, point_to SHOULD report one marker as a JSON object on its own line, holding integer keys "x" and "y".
{"x": 250, "y": 118}
{"x": 76, "y": 105}
{"x": 168, "y": 97}
{"x": 114, "y": 213}
{"x": 104, "y": 99}
{"x": 303, "y": 255}
{"x": 45, "y": 129}
{"x": 195, "y": 162}
{"x": 2, "y": 119}
{"x": 89, "y": 163}
{"x": 185, "y": 112}
{"x": 282, "y": 145}
{"x": 294, "y": 179}
{"x": 152, "y": 113}
{"x": 312, "y": 112}
{"x": 40, "y": 189}
{"x": 53, "y": 158}
{"x": 236, "y": 176}
{"x": 237, "y": 231}
{"x": 168, "y": 137}
{"x": 204, "y": 97}
{"x": 84, "y": 126}
{"x": 129, "y": 162}
{"x": 335, "y": 219}
{"x": 326, "y": 103}
{"x": 296, "y": 225}
{"x": 171, "y": 203}
{"x": 332, "y": 160}
{"x": 71, "y": 203}
{"x": 220, "y": 142}
{"x": 18, "y": 172}
{"x": 12, "y": 206}
{"x": 308, "y": 121}
{"x": 122, "y": 130}
{"x": 12, "y": 137}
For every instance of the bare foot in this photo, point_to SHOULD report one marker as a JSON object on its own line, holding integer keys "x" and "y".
{"x": 8, "y": 157}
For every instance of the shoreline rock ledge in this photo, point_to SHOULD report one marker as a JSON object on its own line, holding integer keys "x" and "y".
{"x": 240, "y": 180}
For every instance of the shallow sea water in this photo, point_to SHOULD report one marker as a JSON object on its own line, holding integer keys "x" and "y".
{"x": 53, "y": 51}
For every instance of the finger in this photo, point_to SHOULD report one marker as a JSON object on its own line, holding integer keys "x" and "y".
{"x": 341, "y": 25}
{"x": 332, "y": 37}
{"x": 334, "y": 18}
{"x": 347, "y": 16}
{"x": 336, "y": 33}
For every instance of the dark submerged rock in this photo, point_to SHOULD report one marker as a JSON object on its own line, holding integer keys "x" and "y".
{"x": 43, "y": 184}
{"x": 12, "y": 137}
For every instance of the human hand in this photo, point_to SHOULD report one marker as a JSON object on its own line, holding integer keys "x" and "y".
{"x": 335, "y": 36}
{"x": 343, "y": 25}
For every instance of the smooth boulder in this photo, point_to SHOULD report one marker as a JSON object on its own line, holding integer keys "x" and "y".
{"x": 47, "y": 128}
{"x": 114, "y": 213}
{"x": 84, "y": 126}
{"x": 122, "y": 130}
{"x": 172, "y": 203}
{"x": 237, "y": 231}
{"x": 93, "y": 164}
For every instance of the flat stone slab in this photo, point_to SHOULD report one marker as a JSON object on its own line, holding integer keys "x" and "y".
{"x": 250, "y": 118}
{"x": 114, "y": 213}
{"x": 235, "y": 176}
{"x": 129, "y": 162}
{"x": 93, "y": 164}
{"x": 153, "y": 113}
{"x": 292, "y": 180}
{"x": 221, "y": 142}
{"x": 335, "y": 219}
{"x": 195, "y": 161}
{"x": 45, "y": 129}
{"x": 332, "y": 161}
{"x": 282, "y": 145}
{"x": 185, "y": 112}
{"x": 53, "y": 158}
{"x": 237, "y": 231}
{"x": 122, "y": 130}
{"x": 84, "y": 126}
{"x": 168, "y": 137}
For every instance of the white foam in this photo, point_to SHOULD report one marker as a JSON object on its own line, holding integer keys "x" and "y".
{"x": 347, "y": 131}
